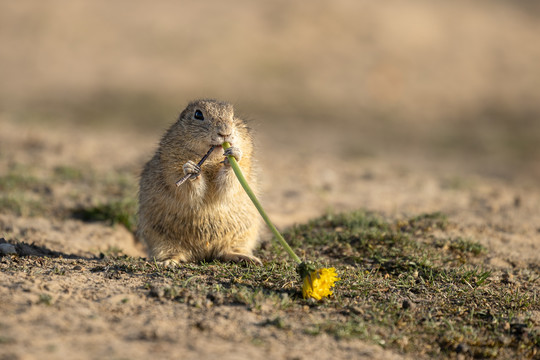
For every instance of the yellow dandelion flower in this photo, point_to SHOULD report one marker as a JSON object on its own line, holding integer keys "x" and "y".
{"x": 318, "y": 283}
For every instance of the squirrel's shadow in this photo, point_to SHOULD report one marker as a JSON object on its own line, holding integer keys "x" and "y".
{"x": 24, "y": 249}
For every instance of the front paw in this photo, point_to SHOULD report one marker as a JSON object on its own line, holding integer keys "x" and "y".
{"x": 190, "y": 168}
{"x": 233, "y": 151}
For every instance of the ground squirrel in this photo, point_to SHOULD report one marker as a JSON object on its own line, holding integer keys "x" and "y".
{"x": 210, "y": 216}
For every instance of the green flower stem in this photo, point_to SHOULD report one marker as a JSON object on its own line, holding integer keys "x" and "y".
{"x": 257, "y": 204}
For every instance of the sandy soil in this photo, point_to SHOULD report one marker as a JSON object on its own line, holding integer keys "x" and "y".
{"x": 375, "y": 139}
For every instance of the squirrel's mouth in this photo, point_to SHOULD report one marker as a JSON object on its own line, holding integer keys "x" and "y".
{"x": 219, "y": 140}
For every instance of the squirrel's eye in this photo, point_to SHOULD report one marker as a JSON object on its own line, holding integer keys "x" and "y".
{"x": 198, "y": 115}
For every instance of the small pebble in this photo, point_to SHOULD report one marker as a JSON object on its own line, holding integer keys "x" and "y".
{"x": 462, "y": 348}
{"x": 7, "y": 249}
{"x": 507, "y": 278}
{"x": 157, "y": 291}
{"x": 407, "y": 304}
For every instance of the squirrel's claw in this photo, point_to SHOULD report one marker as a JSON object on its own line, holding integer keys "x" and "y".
{"x": 190, "y": 168}
{"x": 234, "y": 152}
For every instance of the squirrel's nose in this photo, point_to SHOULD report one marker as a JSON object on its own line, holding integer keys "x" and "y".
{"x": 224, "y": 131}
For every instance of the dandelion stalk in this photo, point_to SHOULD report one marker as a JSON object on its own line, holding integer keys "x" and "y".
{"x": 258, "y": 205}
{"x": 317, "y": 283}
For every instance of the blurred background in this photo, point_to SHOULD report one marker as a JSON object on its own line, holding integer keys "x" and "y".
{"x": 446, "y": 85}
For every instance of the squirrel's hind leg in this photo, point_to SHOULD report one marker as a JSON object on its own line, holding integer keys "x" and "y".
{"x": 240, "y": 258}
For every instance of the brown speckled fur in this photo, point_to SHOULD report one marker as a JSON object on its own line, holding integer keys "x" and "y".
{"x": 210, "y": 217}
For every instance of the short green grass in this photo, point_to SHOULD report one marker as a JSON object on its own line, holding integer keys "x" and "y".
{"x": 400, "y": 288}
{"x": 22, "y": 194}
{"x": 20, "y": 204}
{"x": 108, "y": 197}
{"x": 405, "y": 289}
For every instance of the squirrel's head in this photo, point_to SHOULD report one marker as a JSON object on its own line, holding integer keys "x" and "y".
{"x": 209, "y": 121}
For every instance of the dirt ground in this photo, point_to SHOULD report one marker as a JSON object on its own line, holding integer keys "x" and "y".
{"x": 413, "y": 144}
